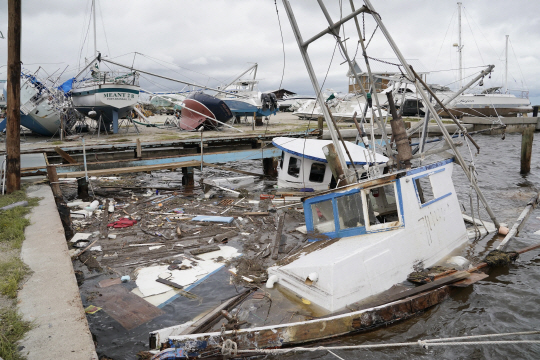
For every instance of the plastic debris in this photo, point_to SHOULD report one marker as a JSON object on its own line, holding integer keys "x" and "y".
{"x": 122, "y": 223}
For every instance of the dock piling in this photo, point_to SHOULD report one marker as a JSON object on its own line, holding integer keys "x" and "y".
{"x": 187, "y": 176}
{"x": 270, "y": 167}
{"x": 526, "y": 149}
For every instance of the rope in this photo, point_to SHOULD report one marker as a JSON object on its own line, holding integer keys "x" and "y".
{"x": 425, "y": 344}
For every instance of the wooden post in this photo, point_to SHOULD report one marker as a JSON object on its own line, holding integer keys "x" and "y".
{"x": 320, "y": 122}
{"x": 253, "y": 122}
{"x": 270, "y": 166}
{"x": 335, "y": 165}
{"x": 526, "y": 149}
{"x": 187, "y": 176}
{"x": 259, "y": 121}
{"x": 13, "y": 122}
{"x": 277, "y": 240}
{"x": 138, "y": 151}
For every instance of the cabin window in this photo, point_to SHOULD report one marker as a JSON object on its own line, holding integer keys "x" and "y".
{"x": 424, "y": 189}
{"x": 316, "y": 173}
{"x": 282, "y": 160}
{"x": 323, "y": 217}
{"x": 382, "y": 207}
{"x": 294, "y": 166}
{"x": 350, "y": 211}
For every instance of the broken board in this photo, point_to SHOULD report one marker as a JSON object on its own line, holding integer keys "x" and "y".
{"x": 125, "y": 307}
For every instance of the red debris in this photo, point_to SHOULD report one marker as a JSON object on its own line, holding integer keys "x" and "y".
{"x": 122, "y": 223}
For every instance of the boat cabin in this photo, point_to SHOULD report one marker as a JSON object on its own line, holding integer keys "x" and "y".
{"x": 369, "y": 236}
{"x": 304, "y": 166}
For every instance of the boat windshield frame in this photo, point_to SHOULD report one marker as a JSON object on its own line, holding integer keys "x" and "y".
{"x": 367, "y": 228}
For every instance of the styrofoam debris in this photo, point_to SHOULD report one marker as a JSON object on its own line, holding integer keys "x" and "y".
{"x": 80, "y": 236}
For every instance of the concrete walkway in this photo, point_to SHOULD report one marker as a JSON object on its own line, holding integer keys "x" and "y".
{"x": 50, "y": 298}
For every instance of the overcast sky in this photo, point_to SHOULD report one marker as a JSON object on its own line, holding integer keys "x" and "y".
{"x": 210, "y": 42}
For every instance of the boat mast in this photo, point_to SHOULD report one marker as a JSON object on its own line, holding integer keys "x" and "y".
{"x": 460, "y": 47}
{"x": 425, "y": 98}
{"x": 506, "y": 67}
{"x": 314, "y": 82}
{"x": 94, "y": 18}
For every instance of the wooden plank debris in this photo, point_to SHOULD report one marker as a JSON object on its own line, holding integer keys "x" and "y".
{"x": 65, "y": 155}
{"x": 125, "y": 307}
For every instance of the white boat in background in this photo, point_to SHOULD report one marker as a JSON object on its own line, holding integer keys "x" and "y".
{"x": 293, "y": 102}
{"x": 244, "y": 99}
{"x": 104, "y": 95}
{"x": 304, "y": 166}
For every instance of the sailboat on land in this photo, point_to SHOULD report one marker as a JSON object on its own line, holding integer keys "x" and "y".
{"x": 105, "y": 95}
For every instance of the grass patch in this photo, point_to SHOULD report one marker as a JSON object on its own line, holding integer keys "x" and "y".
{"x": 168, "y": 137}
{"x": 12, "y": 329}
{"x": 57, "y": 142}
{"x": 12, "y": 272}
{"x": 13, "y": 222}
{"x": 121, "y": 140}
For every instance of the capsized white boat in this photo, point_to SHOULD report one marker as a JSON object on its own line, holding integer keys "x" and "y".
{"x": 303, "y": 164}
{"x": 41, "y": 106}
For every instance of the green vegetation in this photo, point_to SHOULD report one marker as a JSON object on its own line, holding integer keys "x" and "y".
{"x": 121, "y": 140}
{"x": 13, "y": 222}
{"x": 12, "y": 272}
{"x": 57, "y": 142}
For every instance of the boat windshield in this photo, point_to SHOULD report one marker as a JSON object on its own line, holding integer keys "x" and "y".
{"x": 323, "y": 217}
{"x": 350, "y": 211}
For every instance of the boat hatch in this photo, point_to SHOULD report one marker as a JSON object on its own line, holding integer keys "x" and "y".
{"x": 355, "y": 212}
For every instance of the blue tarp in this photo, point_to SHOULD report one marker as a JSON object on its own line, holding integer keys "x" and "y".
{"x": 66, "y": 86}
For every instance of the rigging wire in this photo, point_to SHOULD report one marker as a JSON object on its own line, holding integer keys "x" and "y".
{"x": 519, "y": 66}
{"x": 442, "y": 43}
{"x": 474, "y": 38}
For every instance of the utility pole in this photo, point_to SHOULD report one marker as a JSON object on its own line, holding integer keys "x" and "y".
{"x": 13, "y": 125}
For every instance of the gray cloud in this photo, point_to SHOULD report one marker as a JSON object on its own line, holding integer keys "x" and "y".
{"x": 222, "y": 38}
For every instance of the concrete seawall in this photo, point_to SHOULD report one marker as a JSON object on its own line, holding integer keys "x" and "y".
{"x": 50, "y": 297}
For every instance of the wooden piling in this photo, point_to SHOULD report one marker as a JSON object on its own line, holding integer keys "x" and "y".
{"x": 320, "y": 123}
{"x": 259, "y": 121}
{"x": 277, "y": 240}
{"x": 270, "y": 167}
{"x": 138, "y": 150}
{"x": 335, "y": 165}
{"x": 526, "y": 149}
{"x": 187, "y": 176}
{"x": 13, "y": 124}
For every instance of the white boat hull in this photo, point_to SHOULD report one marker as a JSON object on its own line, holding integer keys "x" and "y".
{"x": 353, "y": 268}
{"x": 106, "y": 98}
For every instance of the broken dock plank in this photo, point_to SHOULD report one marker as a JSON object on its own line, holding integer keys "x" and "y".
{"x": 65, "y": 155}
{"x": 127, "y": 170}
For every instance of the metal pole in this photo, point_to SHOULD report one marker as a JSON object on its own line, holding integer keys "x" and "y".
{"x": 84, "y": 158}
{"x": 202, "y": 146}
{"x": 424, "y": 130}
{"x": 314, "y": 82}
{"x": 459, "y": 46}
{"x": 378, "y": 118}
{"x": 424, "y": 96}
{"x": 94, "y": 18}
{"x": 13, "y": 115}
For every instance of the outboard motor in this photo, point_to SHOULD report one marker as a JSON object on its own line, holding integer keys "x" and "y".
{"x": 265, "y": 101}
{"x": 273, "y": 100}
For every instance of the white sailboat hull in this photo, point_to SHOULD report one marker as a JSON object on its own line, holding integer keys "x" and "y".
{"x": 106, "y": 98}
